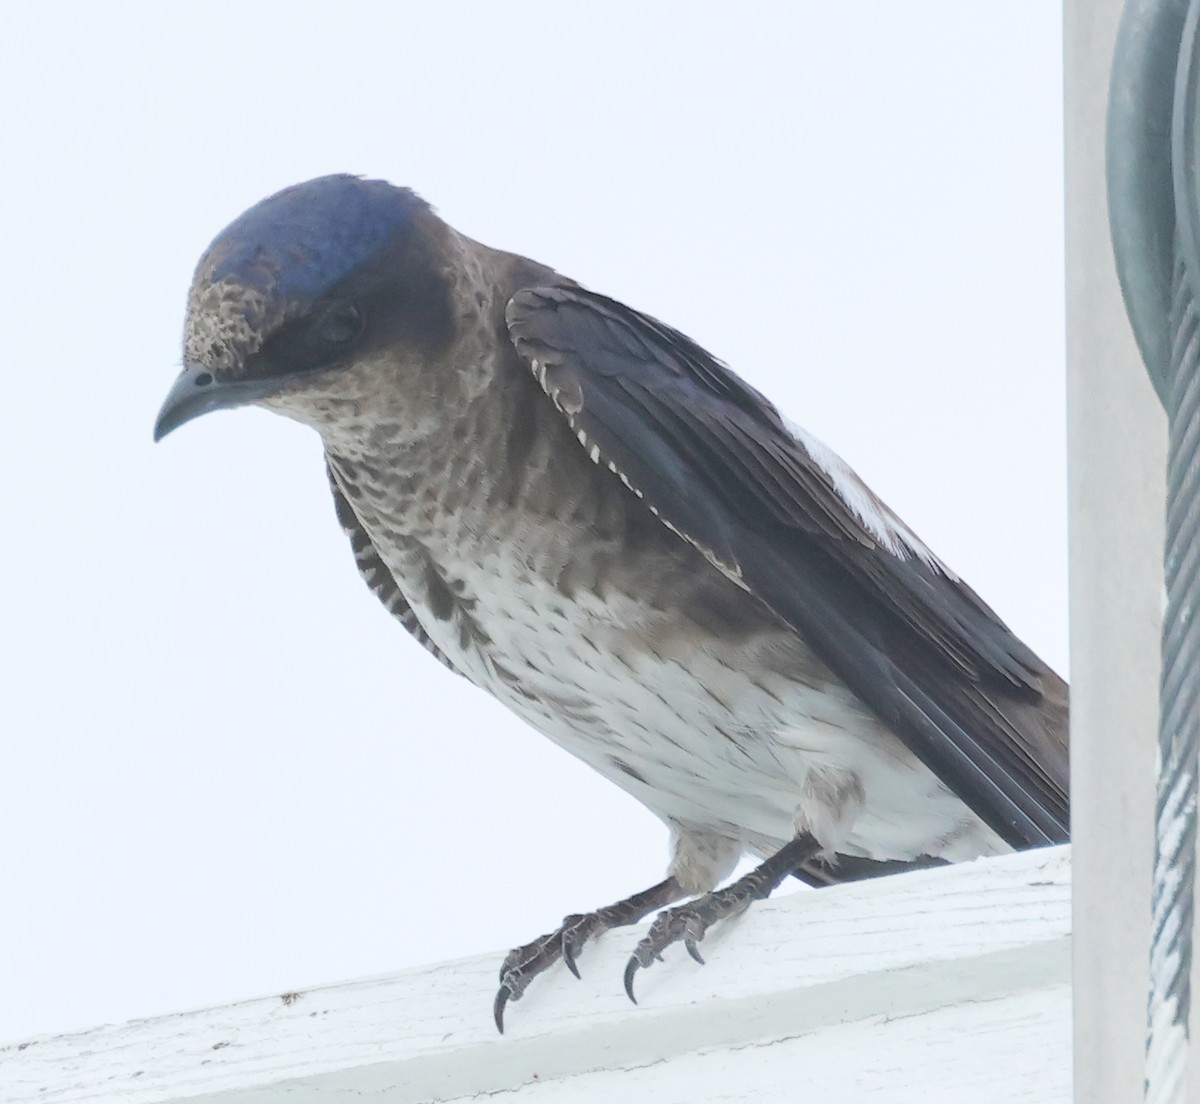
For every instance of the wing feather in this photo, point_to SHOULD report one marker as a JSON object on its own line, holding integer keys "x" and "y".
{"x": 377, "y": 575}
{"x": 718, "y": 464}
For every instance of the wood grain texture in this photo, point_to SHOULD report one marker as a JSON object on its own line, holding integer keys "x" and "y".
{"x": 945, "y": 984}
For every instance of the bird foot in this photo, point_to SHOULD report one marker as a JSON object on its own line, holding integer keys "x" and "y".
{"x": 685, "y": 924}
{"x": 689, "y": 923}
{"x": 522, "y": 964}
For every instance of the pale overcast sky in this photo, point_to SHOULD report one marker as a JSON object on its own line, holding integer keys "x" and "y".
{"x": 225, "y": 771}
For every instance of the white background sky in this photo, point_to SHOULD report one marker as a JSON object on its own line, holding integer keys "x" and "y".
{"x": 223, "y": 770}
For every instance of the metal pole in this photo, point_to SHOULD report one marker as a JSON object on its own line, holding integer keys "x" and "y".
{"x": 1116, "y": 435}
{"x": 1154, "y": 198}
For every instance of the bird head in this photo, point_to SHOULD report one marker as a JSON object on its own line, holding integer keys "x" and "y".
{"x": 302, "y": 288}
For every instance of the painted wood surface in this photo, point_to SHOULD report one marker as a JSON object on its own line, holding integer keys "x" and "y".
{"x": 944, "y": 985}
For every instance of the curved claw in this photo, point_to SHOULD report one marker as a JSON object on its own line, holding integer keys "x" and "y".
{"x": 569, "y": 950}
{"x": 693, "y": 950}
{"x": 498, "y": 1005}
{"x": 631, "y": 968}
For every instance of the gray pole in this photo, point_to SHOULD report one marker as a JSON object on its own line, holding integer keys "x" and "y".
{"x": 1116, "y": 465}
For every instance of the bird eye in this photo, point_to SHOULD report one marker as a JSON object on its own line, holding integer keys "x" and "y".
{"x": 310, "y": 342}
{"x": 339, "y": 325}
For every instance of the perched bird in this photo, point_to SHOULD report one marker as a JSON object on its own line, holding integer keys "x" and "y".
{"x": 587, "y": 515}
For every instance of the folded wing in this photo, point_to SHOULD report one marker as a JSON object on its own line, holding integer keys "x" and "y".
{"x": 789, "y": 522}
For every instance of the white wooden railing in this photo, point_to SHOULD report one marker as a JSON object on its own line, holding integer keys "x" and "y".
{"x": 939, "y": 987}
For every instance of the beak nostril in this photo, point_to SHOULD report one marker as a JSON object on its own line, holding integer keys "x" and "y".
{"x": 203, "y": 379}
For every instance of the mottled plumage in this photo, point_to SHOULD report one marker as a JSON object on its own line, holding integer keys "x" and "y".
{"x": 585, "y": 514}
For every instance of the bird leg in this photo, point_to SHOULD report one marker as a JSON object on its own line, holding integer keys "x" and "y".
{"x": 523, "y": 964}
{"x": 690, "y": 921}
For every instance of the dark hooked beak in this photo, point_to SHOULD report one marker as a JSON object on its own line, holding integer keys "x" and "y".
{"x": 197, "y": 391}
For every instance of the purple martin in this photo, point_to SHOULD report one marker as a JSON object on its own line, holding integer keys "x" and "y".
{"x": 584, "y": 513}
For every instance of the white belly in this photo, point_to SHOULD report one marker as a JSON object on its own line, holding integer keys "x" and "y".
{"x": 695, "y": 729}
